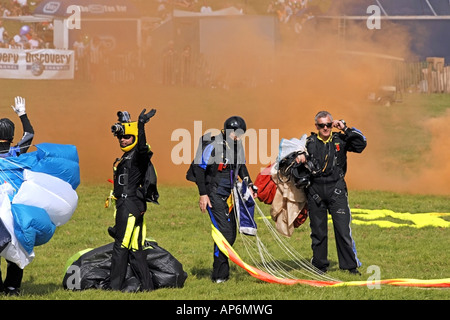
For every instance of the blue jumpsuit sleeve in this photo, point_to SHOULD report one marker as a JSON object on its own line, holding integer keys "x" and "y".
{"x": 200, "y": 169}
{"x": 355, "y": 140}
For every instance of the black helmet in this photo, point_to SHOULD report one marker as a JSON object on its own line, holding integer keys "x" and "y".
{"x": 235, "y": 123}
{"x": 6, "y": 129}
{"x": 301, "y": 176}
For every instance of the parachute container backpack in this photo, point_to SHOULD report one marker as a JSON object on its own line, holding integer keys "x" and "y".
{"x": 204, "y": 141}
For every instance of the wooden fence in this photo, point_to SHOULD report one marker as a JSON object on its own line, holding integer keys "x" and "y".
{"x": 424, "y": 77}
{"x": 199, "y": 71}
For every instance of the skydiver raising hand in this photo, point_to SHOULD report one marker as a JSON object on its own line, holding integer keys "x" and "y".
{"x": 7, "y": 131}
{"x": 14, "y": 274}
{"x": 129, "y": 179}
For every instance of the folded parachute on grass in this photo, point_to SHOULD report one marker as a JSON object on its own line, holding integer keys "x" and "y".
{"x": 90, "y": 269}
{"x": 38, "y": 195}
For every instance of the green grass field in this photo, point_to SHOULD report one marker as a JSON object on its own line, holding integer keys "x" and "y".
{"x": 183, "y": 230}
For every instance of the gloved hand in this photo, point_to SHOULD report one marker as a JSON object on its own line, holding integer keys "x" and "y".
{"x": 145, "y": 117}
{"x": 19, "y": 106}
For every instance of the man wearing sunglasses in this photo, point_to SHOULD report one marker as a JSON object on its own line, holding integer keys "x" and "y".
{"x": 327, "y": 158}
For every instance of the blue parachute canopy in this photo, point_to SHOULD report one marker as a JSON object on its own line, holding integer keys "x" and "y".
{"x": 32, "y": 226}
{"x": 57, "y": 160}
{"x": 37, "y": 195}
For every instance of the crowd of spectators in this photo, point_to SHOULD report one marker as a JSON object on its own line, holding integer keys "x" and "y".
{"x": 287, "y": 9}
{"x": 29, "y": 36}
{"x": 11, "y": 8}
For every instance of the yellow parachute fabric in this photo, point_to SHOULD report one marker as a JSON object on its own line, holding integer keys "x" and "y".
{"x": 227, "y": 249}
{"x": 405, "y": 219}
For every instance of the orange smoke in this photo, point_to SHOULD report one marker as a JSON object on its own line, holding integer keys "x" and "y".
{"x": 311, "y": 72}
{"x": 435, "y": 174}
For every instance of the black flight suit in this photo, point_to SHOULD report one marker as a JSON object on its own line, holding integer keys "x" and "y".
{"x": 328, "y": 192}
{"x": 129, "y": 229}
{"x": 216, "y": 170}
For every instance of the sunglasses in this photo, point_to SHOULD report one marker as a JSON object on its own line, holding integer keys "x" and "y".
{"x": 125, "y": 136}
{"x": 323, "y": 125}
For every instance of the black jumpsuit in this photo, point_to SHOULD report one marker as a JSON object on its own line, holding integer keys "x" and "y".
{"x": 216, "y": 180}
{"x": 328, "y": 192}
{"x": 129, "y": 229}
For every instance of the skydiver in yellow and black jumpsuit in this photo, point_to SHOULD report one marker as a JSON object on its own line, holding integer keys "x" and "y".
{"x": 129, "y": 230}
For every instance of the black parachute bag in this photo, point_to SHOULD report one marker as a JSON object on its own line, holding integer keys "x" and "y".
{"x": 204, "y": 141}
{"x": 90, "y": 269}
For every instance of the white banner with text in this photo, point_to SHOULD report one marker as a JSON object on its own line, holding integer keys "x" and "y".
{"x": 36, "y": 64}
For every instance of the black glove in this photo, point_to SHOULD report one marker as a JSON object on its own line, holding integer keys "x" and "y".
{"x": 145, "y": 117}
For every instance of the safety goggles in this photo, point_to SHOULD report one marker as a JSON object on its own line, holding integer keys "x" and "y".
{"x": 323, "y": 125}
{"x": 125, "y": 136}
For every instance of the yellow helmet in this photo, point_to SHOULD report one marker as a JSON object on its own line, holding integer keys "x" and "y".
{"x": 125, "y": 127}
{"x": 130, "y": 128}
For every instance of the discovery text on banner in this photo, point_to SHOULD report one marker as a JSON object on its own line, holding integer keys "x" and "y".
{"x": 36, "y": 64}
